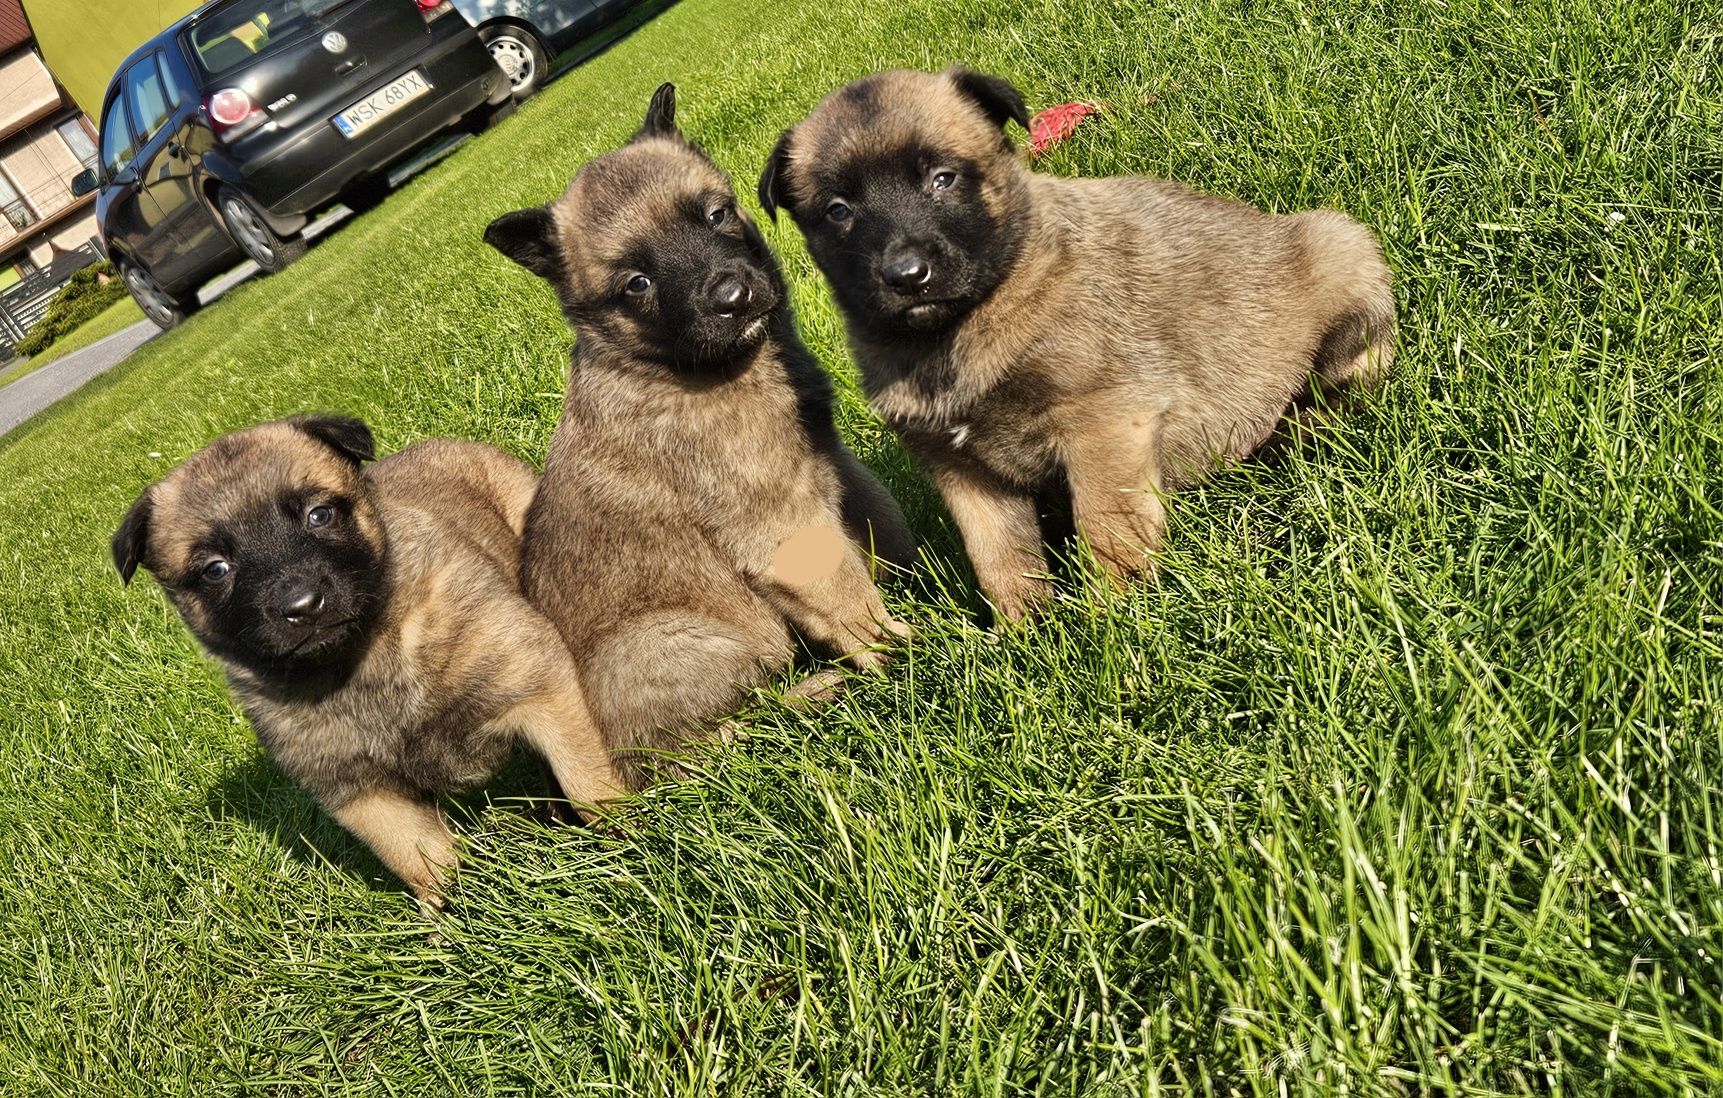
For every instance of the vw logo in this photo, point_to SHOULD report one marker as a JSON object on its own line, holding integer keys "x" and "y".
{"x": 335, "y": 41}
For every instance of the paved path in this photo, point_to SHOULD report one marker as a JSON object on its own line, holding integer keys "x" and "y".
{"x": 38, "y": 389}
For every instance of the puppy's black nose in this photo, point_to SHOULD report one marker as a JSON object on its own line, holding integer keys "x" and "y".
{"x": 730, "y": 297}
{"x": 907, "y": 271}
{"x": 303, "y": 606}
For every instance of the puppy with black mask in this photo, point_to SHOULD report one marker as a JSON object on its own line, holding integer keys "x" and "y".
{"x": 370, "y": 622}
{"x": 1084, "y": 344}
{"x": 698, "y": 509}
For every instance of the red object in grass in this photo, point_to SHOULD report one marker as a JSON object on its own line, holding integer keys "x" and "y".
{"x": 1055, "y": 124}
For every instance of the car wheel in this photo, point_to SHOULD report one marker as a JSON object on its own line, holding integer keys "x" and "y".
{"x": 267, "y": 248}
{"x": 518, "y": 53}
{"x": 165, "y": 309}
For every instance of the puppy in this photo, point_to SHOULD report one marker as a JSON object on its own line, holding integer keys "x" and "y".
{"x": 1100, "y": 340}
{"x": 370, "y": 622}
{"x": 697, "y": 504}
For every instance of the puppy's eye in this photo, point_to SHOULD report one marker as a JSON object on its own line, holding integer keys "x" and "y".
{"x": 216, "y": 571}
{"x": 942, "y": 179}
{"x": 638, "y": 285}
{"x": 319, "y": 516}
{"x": 839, "y": 213}
{"x": 717, "y": 215}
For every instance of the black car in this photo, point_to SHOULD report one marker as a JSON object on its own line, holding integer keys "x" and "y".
{"x": 222, "y": 135}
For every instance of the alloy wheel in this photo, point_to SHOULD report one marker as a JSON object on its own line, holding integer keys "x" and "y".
{"x": 149, "y": 295}
{"x": 249, "y": 230}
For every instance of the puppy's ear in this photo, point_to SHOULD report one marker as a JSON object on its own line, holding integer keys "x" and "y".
{"x": 529, "y": 238}
{"x": 345, "y": 435}
{"x": 774, "y": 178}
{"x": 132, "y": 536}
{"x": 660, "y": 114}
{"x": 995, "y": 95}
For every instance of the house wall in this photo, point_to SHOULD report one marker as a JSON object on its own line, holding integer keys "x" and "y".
{"x": 26, "y": 89}
{"x": 85, "y": 40}
{"x": 40, "y": 166}
{"x": 69, "y": 234}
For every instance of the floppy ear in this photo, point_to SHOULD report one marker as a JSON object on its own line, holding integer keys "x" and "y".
{"x": 132, "y": 536}
{"x": 660, "y": 114}
{"x": 529, "y": 238}
{"x": 345, "y": 435}
{"x": 993, "y": 94}
{"x": 772, "y": 177}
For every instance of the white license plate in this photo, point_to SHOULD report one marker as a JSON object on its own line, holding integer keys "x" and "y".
{"x": 380, "y": 104}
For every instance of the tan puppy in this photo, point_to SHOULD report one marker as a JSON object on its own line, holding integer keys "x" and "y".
{"x": 370, "y": 622}
{"x": 698, "y": 507}
{"x": 1026, "y": 335}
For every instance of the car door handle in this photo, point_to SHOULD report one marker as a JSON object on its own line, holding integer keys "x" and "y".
{"x": 346, "y": 67}
{"x": 175, "y": 149}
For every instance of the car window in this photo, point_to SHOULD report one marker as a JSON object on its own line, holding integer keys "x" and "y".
{"x": 232, "y": 36}
{"x": 117, "y": 143}
{"x": 147, "y": 97}
{"x": 175, "y": 96}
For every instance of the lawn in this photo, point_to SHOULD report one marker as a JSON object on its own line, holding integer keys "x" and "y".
{"x": 1404, "y": 777}
{"x": 121, "y": 314}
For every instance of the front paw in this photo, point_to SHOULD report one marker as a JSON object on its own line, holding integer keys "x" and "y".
{"x": 1016, "y": 601}
{"x": 869, "y": 659}
{"x": 435, "y": 909}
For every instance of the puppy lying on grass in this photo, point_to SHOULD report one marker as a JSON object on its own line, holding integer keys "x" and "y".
{"x": 1105, "y": 340}
{"x": 370, "y": 622}
{"x": 698, "y": 508}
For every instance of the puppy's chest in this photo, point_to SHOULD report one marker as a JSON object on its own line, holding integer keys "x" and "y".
{"x": 414, "y": 729}
{"x": 1003, "y": 427}
{"x": 743, "y": 451}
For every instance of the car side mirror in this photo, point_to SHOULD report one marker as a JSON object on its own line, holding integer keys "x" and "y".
{"x": 84, "y": 183}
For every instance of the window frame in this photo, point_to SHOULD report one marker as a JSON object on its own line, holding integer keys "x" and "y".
{"x": 76, "y": 122}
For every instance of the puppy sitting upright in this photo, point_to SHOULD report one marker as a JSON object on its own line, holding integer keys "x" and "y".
{"x": 1107, "y": 338}
{"x": 370, "y": 622}
{"x": 697, "y": 504}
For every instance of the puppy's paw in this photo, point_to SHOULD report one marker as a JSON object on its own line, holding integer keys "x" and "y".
{"x": 435, "y": 909}
{"x": 815, "y": 690}
{"x": 1019, "y": 605}
{"x": 870, "y": 660}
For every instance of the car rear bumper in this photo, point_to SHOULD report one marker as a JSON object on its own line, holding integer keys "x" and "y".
{"x": 311, "y": 166}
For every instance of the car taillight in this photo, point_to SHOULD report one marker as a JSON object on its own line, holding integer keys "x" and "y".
{"x": 231, "y": 113}
{"x": 434, "y": 9}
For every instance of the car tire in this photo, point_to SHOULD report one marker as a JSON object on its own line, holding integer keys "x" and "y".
{"x": 261, "y": 244}
{"x": 518, "y": 52}
{"x": 367, "y": 194}
{"x": 164, "y": 309}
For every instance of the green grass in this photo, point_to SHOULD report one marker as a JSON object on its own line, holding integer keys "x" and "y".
{"x": 1404, "y": 778}
{"x": 121, "y": 314}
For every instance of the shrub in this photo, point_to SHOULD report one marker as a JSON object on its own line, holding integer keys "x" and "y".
{"x": 84, "y": 295}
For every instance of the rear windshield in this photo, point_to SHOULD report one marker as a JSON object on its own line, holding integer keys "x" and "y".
{"x": 239, "y": 32}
